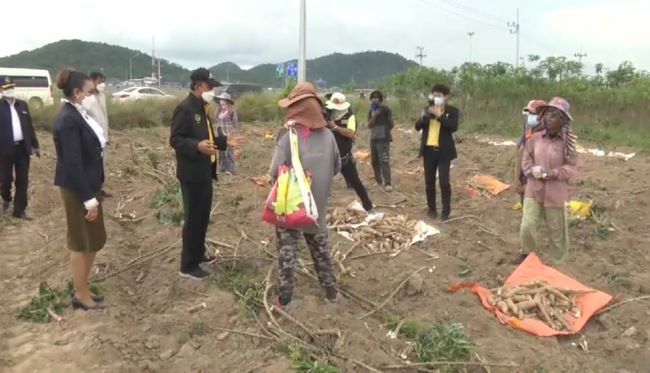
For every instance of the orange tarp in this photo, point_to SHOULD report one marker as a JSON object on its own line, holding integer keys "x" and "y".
{"x": 589, "y": 302}
{"x": 488, "y": 183}
{"x": 362, "y": 155}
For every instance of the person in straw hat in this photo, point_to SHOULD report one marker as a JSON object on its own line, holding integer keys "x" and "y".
{"x": 320, "y": 157}
{"x": 226, "y": 119}
{"x": 549, "y": 162}
{"x": 344, "y": 128}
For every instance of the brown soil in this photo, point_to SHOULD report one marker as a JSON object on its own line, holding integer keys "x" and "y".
{"x": 148, "y": 328}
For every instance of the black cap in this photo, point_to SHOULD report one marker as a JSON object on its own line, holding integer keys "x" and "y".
{"x": 204, "y": 75}
{"x": 6, "y": 83}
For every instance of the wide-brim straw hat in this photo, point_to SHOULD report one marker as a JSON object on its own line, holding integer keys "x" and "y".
{"x": 299, "y": 93}
{"x": 560, "y": 104}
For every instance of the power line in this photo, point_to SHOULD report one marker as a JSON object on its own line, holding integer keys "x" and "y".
{"x": 476, "y": 11}
{"x": 461, "y": 15}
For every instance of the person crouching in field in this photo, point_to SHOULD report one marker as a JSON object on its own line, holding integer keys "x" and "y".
{"x": 79, "y": 141}
{"x": 344, "y": 128}
{"x": 438, "y": 122}
{"x": 380, "y": 122}
{"x": 320, "y": 156}
{"x": 549, "y": 162}
{"x": 226, "y": 119}
{"x": 532, "y": 124}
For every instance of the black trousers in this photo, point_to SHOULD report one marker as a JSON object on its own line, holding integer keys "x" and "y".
{"x": 380, "y": 159}
{"x": 17, "y": 159}
{"x": 351, "y": 176}
{"x": 197, "y": 203}
{"x": 435, "y": 162}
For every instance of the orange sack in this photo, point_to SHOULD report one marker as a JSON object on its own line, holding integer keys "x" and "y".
{"x": 589, "y": 301}
{"x": 488, "y": 183}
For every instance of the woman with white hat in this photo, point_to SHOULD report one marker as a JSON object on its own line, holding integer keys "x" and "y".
{"x": 226, "y": 119}
{"x": 344, "y": 128}
{"x": 549, "y": 163}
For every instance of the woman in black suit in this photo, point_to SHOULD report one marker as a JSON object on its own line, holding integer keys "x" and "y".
{"x": 80, "y": 142}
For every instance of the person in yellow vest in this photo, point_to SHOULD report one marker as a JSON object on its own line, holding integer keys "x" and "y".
{"x": 196, "y": 145}
{"x": 438, "y": 122}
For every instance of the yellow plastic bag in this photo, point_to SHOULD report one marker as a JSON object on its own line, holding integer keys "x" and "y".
{"x": 580, "y": 210}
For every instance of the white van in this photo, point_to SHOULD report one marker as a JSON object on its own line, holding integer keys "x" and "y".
{"x": 32, "y": 85}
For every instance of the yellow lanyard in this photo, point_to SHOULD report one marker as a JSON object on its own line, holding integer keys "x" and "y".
{"x": 213, "y": 158}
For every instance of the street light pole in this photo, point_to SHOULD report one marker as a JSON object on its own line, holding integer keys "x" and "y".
{"x": 470, "y": 34}
{"x": 131, "y": 65}
{"x": 302, "y": 60}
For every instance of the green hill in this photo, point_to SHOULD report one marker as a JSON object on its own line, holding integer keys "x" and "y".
{"x": 90, "y": 56}
{"x": 363, "y": 69}
{"x": 360, "y": 69}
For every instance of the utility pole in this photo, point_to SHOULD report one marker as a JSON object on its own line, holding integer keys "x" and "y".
{"x": 153, "y": 56}
{"x": 302, "y": 61}
{"x": 420, "y": 55}
{"x": 514, "y": 29}
{"x": 131, "y": 65}
{"x": 470, "y": 34}
{"x": 159, "y": 76}
{"x": 580, "y": 55}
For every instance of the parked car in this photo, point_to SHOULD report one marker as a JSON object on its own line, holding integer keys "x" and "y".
{"x": 32, "y": 85}
{"x": 140, "y": 93}
{"x": 236, "y": 90}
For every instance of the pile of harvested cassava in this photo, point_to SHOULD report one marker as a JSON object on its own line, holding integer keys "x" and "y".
{"x": 340, "y": 218}
{"x": 387, "y": 234}
{"x": 539, "y": 300}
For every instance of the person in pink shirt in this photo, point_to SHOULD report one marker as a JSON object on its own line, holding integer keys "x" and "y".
{"x": 549, "y": 162}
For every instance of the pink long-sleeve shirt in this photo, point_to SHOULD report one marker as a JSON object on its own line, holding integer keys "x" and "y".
{"x": 546, "y": 151}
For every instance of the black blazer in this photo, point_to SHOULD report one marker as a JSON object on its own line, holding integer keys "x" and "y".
{"x": 189, "y": 127}
{"x": 448, "y": 125}
{"x": 7, "y": 131}
{"x": 79, "y": 164}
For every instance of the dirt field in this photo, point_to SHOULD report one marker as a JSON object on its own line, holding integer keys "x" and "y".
{"x": 148, "y": 327}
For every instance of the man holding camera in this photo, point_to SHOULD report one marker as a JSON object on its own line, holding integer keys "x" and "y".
{"x": 438, "y": 122}
{"x": 193, "y": 138}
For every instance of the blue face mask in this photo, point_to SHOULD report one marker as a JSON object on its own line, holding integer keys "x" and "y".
{"x": 532, "y": 120}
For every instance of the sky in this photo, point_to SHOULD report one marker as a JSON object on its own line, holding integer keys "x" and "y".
{"x": 250, "y": 32}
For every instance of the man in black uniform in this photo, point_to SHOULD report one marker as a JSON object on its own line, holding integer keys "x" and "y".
{"x": 196, "y": 145}
{"x": 17, "y": 143}
{"x": 344, "y": 127}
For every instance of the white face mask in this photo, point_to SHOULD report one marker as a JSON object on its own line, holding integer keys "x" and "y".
{"x": 9, "y": 93}
{"x": 438, "y": 101}
{"x": 208, "y": 96}
{"x": 532, "y": 119}
{"x": 101, "y": 87}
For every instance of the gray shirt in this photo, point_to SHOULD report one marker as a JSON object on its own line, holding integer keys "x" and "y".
{"x": 319, "y": 155}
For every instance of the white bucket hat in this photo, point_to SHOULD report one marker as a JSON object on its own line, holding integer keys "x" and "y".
{"x": 337, "y": 102}
{"x": 226, "y": 97}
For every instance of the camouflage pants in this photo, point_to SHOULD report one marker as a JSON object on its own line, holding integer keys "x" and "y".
{"x": 320, "y": 249}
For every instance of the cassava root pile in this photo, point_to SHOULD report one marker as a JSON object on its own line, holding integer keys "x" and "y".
{"x": 389, "y": 234}
{"x": 539, "y": 300}
{"x": 341, "y": 217}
